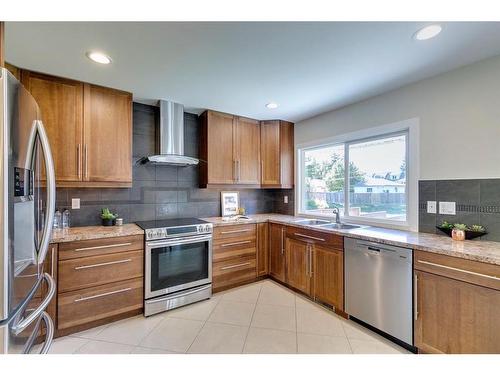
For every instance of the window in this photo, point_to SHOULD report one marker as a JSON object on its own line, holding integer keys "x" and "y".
{"x": 374, "y": 189}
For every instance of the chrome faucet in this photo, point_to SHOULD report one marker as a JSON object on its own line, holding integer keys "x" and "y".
{"x": 337, "y": 215}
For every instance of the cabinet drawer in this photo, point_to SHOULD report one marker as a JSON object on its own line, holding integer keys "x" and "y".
{"x": 237, "y": 247}
{"x": 313, "y": 236}
{"x": 235, "y": 231}
{"x": 80, "y": 249}
{"x": 483, "y": 274}
{"x": 91, "y": 304}
{"x": 233, "y": 271}
{"x": 87, "y": 272}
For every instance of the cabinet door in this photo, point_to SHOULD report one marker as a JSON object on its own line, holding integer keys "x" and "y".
{"x": 247, "y": 149}
{"x": 107, "y": 151}
{"x": 262, "y": 249}
{"x": 456, "y": 317}
{"x": 220, "y": 148}
{"x": 270, "y": 153}
{"x": 61, "y": 106}
{"x": 298, "y": 264}
{"x": 286, "y": 154}
{"x": 328, "y": 275}
{"x": 277, "y": 251}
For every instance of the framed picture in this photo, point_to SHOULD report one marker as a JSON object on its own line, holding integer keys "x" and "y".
{"x": 230, "y": 201}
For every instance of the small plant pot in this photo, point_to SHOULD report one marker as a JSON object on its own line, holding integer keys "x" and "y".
{"x": 108, "y": 222}
{"x": 458, "y": 234}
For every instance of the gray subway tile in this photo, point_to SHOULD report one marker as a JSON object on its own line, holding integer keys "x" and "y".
{"x": 459, "y": 191}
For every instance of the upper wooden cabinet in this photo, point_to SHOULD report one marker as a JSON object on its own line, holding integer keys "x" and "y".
{"x": 241, "y": 151}
{"x": 277, "y": 154}
{"x": 89, "y": 130}
{"x": 61, "y": 106}
{"x": 230, "y": 150}
{"x": 108, "y": 135}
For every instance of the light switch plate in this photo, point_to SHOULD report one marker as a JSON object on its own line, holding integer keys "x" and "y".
{"x": 431, "y": 207}
{"x": 75, "y": 203}
{"x": 447, "y": 208}
{"x": 285, "y": 199}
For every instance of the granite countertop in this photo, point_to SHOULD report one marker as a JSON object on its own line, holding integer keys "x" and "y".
{"x": 94, "y": 232}
{"x": 482, "y": 251}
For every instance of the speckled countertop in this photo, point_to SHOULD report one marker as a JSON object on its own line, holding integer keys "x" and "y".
{"x": 482, "y": 251}
{"x": 94, "y": 232}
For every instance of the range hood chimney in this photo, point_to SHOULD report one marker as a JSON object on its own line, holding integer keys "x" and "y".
{"x": 171, "y": 137}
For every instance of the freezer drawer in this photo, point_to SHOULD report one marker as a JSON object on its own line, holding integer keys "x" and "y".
{"x": 378, "y": 286}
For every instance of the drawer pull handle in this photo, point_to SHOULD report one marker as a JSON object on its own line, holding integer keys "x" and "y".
{"x": 103, "y": 294}
{"x": 460, "y": 270}
{"x": 309, "y": 237}
{"x": 103, "y": 264}
{"x": 235, "y": 243}
{"x": 235, "y": 266}
{"x": 236, "y": 231}
{"x": 103, "y": 246}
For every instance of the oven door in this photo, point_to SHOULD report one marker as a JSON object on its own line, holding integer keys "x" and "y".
{"x": 177, "y": 264}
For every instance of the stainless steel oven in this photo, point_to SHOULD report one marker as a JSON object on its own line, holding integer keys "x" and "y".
{"x": 178, "y": 264}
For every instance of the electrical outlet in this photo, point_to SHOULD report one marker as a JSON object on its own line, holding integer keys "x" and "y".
{"x": 447, "y": 208}
{"x": 285, "y": 199}
{"x": 75, "y": 203}
{"x": 431, "y": 207}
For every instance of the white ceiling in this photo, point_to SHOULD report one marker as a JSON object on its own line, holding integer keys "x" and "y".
{"x": 308, "y": 68}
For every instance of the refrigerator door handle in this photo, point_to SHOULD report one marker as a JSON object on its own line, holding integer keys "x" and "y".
{"x": 51, "y": 192}
{"x": 49, "y": 335}
{"x": 21, "y": 326}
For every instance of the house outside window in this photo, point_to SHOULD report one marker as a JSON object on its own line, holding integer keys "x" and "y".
{"x": 374, "y": 189}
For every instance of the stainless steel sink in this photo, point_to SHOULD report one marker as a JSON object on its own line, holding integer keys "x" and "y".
{"x": 312, "y": 222}
{"x": 339, "y": 226}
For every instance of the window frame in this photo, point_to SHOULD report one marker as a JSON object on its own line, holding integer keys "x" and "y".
{"x": 409, "y": 128}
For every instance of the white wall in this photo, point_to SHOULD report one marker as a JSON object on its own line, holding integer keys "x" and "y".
{"x": 459, "y": 114}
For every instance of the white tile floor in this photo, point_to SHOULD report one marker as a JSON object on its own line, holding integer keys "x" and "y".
{"x": 263, "y": 317}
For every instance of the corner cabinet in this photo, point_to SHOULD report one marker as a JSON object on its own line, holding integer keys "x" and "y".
{"x": 277, "y": 154}
{"x": 89, "y": 129}
{"x": 230, "y": 150}
{"x": 277, "y": 251}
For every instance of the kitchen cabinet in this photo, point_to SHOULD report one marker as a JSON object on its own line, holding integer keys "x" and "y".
{"x": 277, "y": 251}
{"x": 277, "y": 154}
{"x": 315, "y": 265}
{"x": 89, "y": 129}
{"x": 61, "y": 106}
{"x": 108, "y": 135}
{"x": 230, "y": 147}
{"x": 234, "y": 255}
{"x": 262, "y": 249}
{"x": 99, "y": 281}
{"x": 457, "y": 305}
{"x": 298, "y": 264}
{"x": 16, "y": 72}
{"x": 328, "y": 276}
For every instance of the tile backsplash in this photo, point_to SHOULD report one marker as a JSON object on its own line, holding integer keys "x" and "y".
{"x": 161, "y": 191}
{"x": 477, "y": 202}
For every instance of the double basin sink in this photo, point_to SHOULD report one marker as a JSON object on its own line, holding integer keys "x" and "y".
{"x": 325, "y": 224}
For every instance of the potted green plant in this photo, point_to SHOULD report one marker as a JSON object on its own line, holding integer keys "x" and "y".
{"x": 457, "y": 230}
{"x": 107, "y": 217}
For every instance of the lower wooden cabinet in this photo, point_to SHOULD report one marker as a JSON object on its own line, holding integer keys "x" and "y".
{"x": 262, "y": 249}
{"x": 328, "y": 276}
{"x": 98, "y": 281}
{"x": 277, "y": 251}
{"x": 93, "y": 304}
{"x": 298, "y": 265}
{"x": 234, "y": 255}
{"x": 457, "y": 305}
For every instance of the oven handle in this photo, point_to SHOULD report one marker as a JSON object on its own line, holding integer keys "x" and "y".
{"x": 155, "y": 244}
{"x": 181, "y": 294}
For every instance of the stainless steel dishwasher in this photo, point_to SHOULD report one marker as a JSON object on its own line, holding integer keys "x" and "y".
{"x": 379, "y": 287}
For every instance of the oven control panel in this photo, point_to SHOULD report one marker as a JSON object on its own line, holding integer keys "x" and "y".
{"x": 181, "y": 231}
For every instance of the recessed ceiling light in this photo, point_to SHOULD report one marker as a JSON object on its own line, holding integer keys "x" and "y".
{"x": 427, "y": 32}
{"x": 99, "y": 57}
{"x": 272, "y": 105}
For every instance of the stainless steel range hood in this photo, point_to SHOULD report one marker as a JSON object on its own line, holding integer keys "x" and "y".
{"x": 171, "y": 137}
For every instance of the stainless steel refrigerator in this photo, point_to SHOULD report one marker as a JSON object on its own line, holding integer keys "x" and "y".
{"x": 27, "y": 200}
